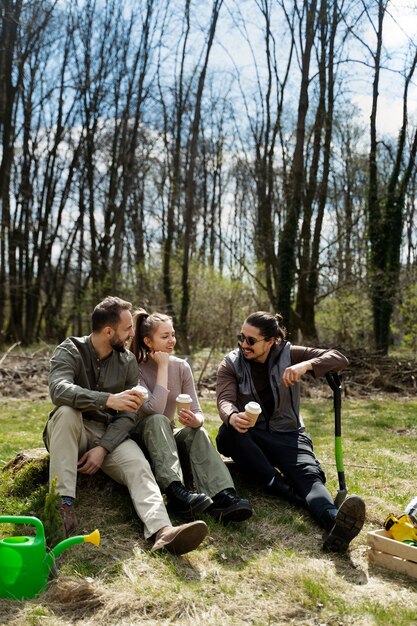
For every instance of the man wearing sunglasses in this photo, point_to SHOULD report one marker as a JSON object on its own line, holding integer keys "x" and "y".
{"x": 266, "y": 369}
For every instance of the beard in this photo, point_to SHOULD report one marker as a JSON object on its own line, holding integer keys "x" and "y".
{"x": 117, "y": 344}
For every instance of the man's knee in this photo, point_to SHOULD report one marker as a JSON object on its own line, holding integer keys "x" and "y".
{"x": 67, "y": 413}
{"x": 65, "y": 418}
{"x": 222, "y": 440}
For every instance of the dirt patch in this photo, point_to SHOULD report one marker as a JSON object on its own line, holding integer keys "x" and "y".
{"x": 25, "y": 375}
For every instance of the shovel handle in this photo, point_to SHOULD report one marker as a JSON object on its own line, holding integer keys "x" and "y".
{"x": 334, "y": 381}
{"x": 336, "y": 386}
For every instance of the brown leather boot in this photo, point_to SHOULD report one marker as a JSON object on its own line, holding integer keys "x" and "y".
{"x": 69, "y": 519}
{"x": 180, "y": 539}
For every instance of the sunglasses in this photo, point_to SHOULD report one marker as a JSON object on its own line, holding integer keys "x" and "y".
{"x": 249, "y": 340}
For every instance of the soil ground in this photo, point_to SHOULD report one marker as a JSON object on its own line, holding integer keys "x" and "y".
{"x": 25, "y": 375}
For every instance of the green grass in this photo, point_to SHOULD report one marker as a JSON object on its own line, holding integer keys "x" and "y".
{"x": 269, "y": 570}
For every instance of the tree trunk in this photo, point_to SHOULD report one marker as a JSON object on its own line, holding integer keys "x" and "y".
{"x": 190, "y": 185}
{"x": 288, "y": 238}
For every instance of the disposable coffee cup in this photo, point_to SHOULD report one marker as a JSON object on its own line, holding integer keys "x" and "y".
{"x": 141, "y": 390}
{"x": 184, "y": 401}
{"x": 252, "y": 410}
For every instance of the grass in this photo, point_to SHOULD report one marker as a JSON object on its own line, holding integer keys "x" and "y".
{"x": 269, "y": 570}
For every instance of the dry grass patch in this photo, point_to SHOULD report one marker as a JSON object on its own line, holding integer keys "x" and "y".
{"x": 268, "y": 570}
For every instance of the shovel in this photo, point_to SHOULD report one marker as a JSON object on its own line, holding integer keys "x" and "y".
{"x": 335, "y": 384}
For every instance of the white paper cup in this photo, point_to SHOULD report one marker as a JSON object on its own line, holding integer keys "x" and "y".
{"x": 252, "y": 410}
{"x": 141, "y": 390}
{"x": 184, "y": 401}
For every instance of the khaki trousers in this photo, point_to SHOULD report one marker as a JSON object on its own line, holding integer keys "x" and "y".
{"x": 155, "y": 434}
{"x": 68, "y": 436}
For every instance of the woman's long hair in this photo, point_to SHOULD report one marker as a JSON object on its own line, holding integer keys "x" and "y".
{"x": 145, "y": 325}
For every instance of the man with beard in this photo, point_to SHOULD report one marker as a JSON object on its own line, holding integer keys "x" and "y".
{"x": 91, "y": 383}
{"x": 266, "y": 369}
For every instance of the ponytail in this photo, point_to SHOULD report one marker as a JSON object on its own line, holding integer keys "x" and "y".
{"x": 145, "y": 325}
{"x": 138, "y": 346}
{"x": 269, "y": 324}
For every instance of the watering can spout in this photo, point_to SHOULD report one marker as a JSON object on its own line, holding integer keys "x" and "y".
{"x": 93, "y": 538}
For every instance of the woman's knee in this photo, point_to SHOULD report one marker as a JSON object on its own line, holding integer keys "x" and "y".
{"x": 199, "y": 435}
{"x": 156, "y": 422}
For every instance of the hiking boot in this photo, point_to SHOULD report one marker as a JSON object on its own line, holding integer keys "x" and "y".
{"x": 69, "y": 519}
{"x": 185, "y": 503}
{"x": 180, "y": 539}
{"x": 282, "y": 489}
{"x": 228, "y": 507}
{"x": 348, "y": 523}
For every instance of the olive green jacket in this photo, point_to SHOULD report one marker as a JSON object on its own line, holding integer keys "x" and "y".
{"x": 79, "y": 379}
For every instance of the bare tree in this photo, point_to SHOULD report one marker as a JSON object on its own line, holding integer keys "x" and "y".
{"x": 190, "y": 194}
{"x": 386, "y": 204}
{"x": 316, "y": 192}
{"x": 10, "y": 16}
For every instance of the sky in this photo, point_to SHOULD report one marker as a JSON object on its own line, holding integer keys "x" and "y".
{"x": 399, "y": 33}
{"x": 400, "y": 28}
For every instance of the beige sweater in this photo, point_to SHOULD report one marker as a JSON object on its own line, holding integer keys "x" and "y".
{"x": 161, "y": 400}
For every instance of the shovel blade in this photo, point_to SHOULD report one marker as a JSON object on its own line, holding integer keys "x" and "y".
{"x": 340, "y": 497}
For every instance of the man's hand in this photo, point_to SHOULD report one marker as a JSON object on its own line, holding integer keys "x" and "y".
{"x": 293, "y": 374}
{"x": 92, "y": 460}
{"x": 129, "y": 400}
{"x": 240, "y": 422}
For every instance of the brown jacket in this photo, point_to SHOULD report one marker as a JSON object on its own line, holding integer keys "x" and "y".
{"x": 235, "y": 386}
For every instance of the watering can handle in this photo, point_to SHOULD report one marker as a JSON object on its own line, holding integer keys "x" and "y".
{"x": 24, "y": 519}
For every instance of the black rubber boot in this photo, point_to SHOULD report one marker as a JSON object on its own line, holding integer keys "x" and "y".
{"x": 282, "y": 489}
{"x": 348, "y": 523}
{"x": 185, "y": 503}
{"x": 228, "y": 507}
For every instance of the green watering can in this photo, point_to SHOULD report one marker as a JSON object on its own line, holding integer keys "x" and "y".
{"x": 25, "y": 564}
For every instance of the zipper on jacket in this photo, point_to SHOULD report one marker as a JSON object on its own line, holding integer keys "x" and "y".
{"x": 293, "y": 408}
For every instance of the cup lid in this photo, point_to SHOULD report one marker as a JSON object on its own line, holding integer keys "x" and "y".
{"x": 253, "y": 407}
{"x": 184, "y": 397}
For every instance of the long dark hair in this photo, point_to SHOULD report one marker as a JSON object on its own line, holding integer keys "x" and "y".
{"x": 145, "y": 325}
{"x": 269, "y": 324}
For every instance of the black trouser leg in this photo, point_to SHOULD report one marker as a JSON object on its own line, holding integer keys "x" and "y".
{"x": 292, "y": 453}
{"x": 245, "y": 452}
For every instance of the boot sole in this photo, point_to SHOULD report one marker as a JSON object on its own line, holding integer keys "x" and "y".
{"x": 187, "y": 539}
{"x": 234, "y": 513}
{"x": 348, "y": 524}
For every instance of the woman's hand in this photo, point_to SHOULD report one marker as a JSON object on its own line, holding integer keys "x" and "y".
{"x": 160, "y": 358}
{"x": 188, "y": 418}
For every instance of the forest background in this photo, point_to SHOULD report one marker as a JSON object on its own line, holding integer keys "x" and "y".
{"x": 209, "y": 159}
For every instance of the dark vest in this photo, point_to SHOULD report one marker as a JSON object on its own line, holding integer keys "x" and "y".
{"x": 286, "y": 413}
